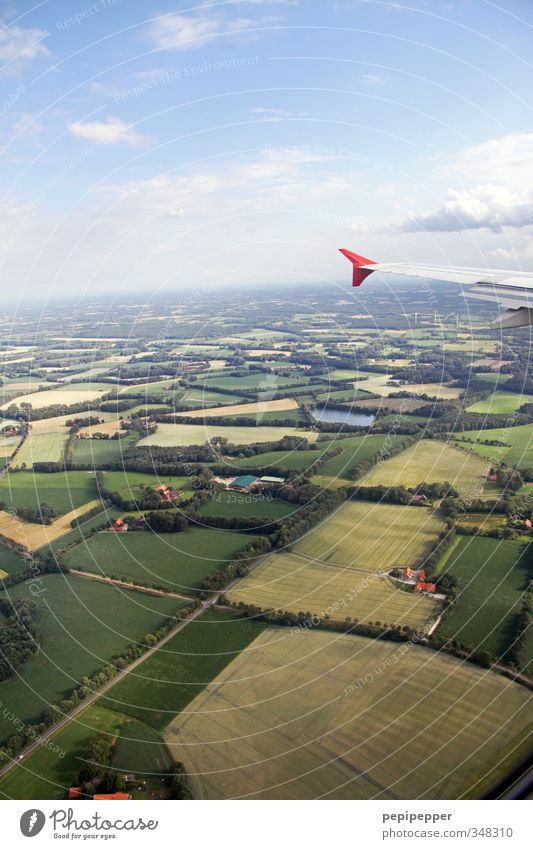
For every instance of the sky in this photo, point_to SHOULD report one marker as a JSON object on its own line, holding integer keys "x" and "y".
{"x": 148, "y": 147}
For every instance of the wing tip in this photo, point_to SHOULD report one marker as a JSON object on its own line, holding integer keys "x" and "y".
{"x": 360, "y": 272}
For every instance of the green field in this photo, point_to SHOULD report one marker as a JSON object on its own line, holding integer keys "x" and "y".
{"x": 355, "y": 450}
{"x": 98, "y": 452}
{"x": 517, "y": 449}
{"x": 231, "y": 504}
{"x": 288, "y": 719}
{"x": 285, "y": 460}
{"x": 41, "y": 448}
{"x": 84, "y": 530}
{"x": 257, "y": 382}
{"x": 500, "y": 402}
{"x": 177, "y": 562}
{"x": 169, "y": 435}
{"x": 139, "y": 749}
{"x": 492, "y": 576}
{"x": 167, "y": 681}
{"x": 197, "y": 397}
{"x": 432, "y": 462}
{"x": 64, "y": 491}
{"x": 10, "y": 560}
{"x": 83, "y": 624}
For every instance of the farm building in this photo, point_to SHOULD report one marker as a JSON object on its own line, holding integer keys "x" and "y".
{"x": 407, "y": 573}
{"x": 75, "y": 792}
{"x": 119, "y": 526}
{"x": 419, "y": 499}
{"x": 423, "y": 587}
{"x": 102, "y": 796}
{"x": 269, "y": 479}
{"x": 243, "y": 483}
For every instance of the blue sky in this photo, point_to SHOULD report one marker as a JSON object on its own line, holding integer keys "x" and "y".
{"x": 245, "y": 141}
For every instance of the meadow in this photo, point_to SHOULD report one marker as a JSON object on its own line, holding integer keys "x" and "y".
{"x": 98, "y": 452}
{"x": 64, "y": 491}
{"x": 169, "y": 435}
{"x": 492, "y": 576}
{"x": 11, "y": 560}
{"x": 355, "y": 450}
{"x": 517, "y": 449}
{"x": 41, "y": 448}
{"x": 294, "y": 718}
{"x": 500, "y": 402}
{"x": 433, "y": 462}
{"x": 176, "y": 561}
{"x": 231, "y": 504}
{"x": 293, "y": 582}
{"x": 130, "y": 485}
{"x": 83, "y": 624}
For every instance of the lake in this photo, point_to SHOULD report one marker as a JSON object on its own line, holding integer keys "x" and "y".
{"x": 342, "y": 416}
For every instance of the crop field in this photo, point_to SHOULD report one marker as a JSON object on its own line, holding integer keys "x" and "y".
{"x": 372, "y": 537}
{"x": 84, "y": 530}
{"x": 484, "y": 521}
{"x": 176, "y": 561}
{"x": 285, "y": 460}
{"x": 197, "y": 396}
{"x": 402, "y": 405}
{"x": 500, "y": 402}
{"x": 232, "y": 504}
{"x": 41, "y": 448}
{"x": 32, "y": 535}
{"x": 281, "y": 404}
{"x": 293, "y": 582}
{"x": 67, "y": 394}
{"x": 83, "y": 624}
{"x": 355, "y": 449}
{"x": 492, "y": 575}
{"x": 98, "y": 452}
{"x": 517, "y": 449}
{"x": 257, "y": 382}
{"x": 292, "y": 704}
{"x": 63, "y": 491}
{"x": 171, "y": 678}
{"x": 169, "y": 435}
{"x": 432, "y": 462}
{"x": 437, "y": 390}
{"x": 110, "y": 428}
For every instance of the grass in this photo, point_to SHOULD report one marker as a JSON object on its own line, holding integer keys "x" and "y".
{"x": 500, "y": 402}
{"x": 41, "y": 448}
{"x": 197, "y": 396}
{"x": 64, "y": 491}
{"x": 257, "y": 382}
{"x": 172, "y": 677}
{"x": 517, "y": 449}
{"x": 140, "y": 750}
{"x": 178, "y": 562}
{"x": 285, "y": 460}
{"x": 492, "y": 576}
{"x": 169, "y": 435}
{"x": 288, "y": 719}
{"x": 84, "y": 530}
{"x": 231, "y": 504}
{"x": 83, "y": 624}
{"x": 99, "y": 452}
{"x": 10, "y": 560}
{"x": 433, "y": 462}
{"x": 355, "y": 450}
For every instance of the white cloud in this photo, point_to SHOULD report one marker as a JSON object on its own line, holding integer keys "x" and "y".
{"x": 271, "y": 113}
{"x": 179, "y": 32}
{"x": 500, "y": 194}
{"x": 112, "y": 131}
{"x": 21, "y": 43}
{"x": 373, "y": 79}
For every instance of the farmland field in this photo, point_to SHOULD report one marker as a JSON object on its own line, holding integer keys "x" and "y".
{"x": 252, "y": 408}
{"x": 66, "y": 394}
{"x": 83, "y": 624}
{"x": 492, "y": 575}
{"x": 11, "y": 560}
{"x": 130, "y": 485}
{"x": 517, "y": 448}
{"x": 292, "y": 705}
{"x": 354, "y": 450}
{"x": 98, "y": 452}
{"x": 41, "y": 448}
{"x": 33, "y": 535}
{"x": 232, "y": 504}
{"x": 175, "y": 561}
{"x": 372, "y": 537}
{"x": 197, "y": 396}
{"x": 432, "y": 462}
{"x": 290, "y": 581}
{"x": 500, "y": 402}
{"x": 62, "y": 490}
{"x": 168, "y": 435}
{"x": 167, "y": 681}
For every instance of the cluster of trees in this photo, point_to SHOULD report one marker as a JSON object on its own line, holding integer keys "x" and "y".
{"x": 18, "y": 636}
{"x": 236, "y": 568}
{"x": 44, "y": 514}
{"x": 163, "y": 521}
{"x": 401, "y": 494}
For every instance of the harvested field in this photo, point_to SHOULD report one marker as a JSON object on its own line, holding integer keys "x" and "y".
{"x": 242, "y": 409}
{"x": 33, "y": 536}
{"x": 168, "y": 435}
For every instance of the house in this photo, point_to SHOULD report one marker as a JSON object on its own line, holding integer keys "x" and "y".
{"x": 492, "y": 478}
{"x": 243, "y": 483}
{"x": 419, "y": 499}
{"x": 528, "y": 524}
{"x": 407, "y": 573}
{"x": 421, "y": 574}
{"x": 102, "y": 796}
{"x": 423, "y": 587}
{"x": 118, "y": 526}
{"x": 75, "y": 792}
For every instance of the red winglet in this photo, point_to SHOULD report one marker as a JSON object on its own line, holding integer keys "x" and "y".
{"x": 359, "y": 273}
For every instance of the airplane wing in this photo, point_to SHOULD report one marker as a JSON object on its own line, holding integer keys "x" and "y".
{"x": 514, "y": 292}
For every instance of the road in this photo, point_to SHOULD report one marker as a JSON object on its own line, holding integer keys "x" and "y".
{"x": 99, "y": 693}
{"x": 128, "y": 585}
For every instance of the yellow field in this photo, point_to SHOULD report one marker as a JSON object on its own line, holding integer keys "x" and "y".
{"x": 110, "y": 427}
{"x": 238, "y": 409}
{"x": 310, "y": 714}
{"x": 433, "y": 462}
{"x": 33, "y": 536}
{"x": 38, "y": 400}
{"x": 290, "y": 581}
{"x": 169, "y": 435}
{"x": 372, "y": 537}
